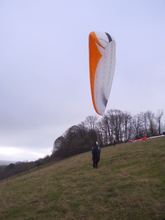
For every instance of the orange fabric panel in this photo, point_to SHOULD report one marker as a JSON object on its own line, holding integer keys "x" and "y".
{"x": 94, "y": 57}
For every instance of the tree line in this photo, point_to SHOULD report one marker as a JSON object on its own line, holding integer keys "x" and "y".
{"x": 122, "y": 126}
{"x": 20, "y": 167}
{"x": 114, "y": 125}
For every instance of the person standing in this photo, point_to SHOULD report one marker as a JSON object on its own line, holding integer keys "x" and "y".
{"x": 96, "y": 150}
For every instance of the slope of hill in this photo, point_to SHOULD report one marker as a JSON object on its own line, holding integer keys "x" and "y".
{"x": 129, "y": 184}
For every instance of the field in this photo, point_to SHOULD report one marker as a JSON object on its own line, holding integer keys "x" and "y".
{"x": 128, "y": 184}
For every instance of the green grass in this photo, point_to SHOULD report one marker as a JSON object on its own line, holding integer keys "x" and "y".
{"x": 129, "y": 184}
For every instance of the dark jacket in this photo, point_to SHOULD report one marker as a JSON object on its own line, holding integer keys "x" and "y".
{"x": 96, "y": 150}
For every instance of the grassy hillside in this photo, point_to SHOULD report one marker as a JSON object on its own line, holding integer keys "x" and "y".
{"x": 129, "y": 184}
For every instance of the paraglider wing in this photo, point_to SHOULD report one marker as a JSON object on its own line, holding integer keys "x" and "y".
{"x": 102, "y": 61}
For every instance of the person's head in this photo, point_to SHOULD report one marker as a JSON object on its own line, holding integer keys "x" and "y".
{"x": 95, "y": 143}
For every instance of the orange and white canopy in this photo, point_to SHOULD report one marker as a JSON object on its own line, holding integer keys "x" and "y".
{"x": 102, "y": 61}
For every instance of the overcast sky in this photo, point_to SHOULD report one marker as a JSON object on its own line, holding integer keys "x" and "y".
{"x": 44, "y": 66}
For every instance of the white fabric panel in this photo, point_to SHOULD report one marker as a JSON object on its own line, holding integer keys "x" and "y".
{"x": 104, "y": 72}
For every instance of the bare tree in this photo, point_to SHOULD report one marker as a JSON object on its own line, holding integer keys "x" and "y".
{"x": 138, "y": 126}
{"x": 116, "y": 123}
{"x": 90, "y": 122}
{"x": 127, "y": 123}
{"x": 145, "y": 123}
{"x": 151, "y": 123}
{"x": 159, "y": 116}
{"x": 105, "y": 129}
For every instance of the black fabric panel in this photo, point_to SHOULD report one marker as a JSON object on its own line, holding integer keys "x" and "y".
{"x": 109, "y": 37}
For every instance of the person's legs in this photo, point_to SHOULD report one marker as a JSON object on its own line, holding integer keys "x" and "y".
{"x": 95, "y": 163}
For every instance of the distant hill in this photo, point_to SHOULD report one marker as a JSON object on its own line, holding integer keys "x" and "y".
{"x": 128, "y": 184}
{"x": 4, "y": 162}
